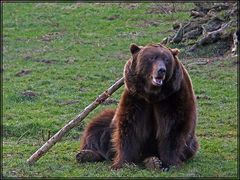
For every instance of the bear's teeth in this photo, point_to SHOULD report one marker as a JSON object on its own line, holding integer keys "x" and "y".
{"x": 158, "y": 81}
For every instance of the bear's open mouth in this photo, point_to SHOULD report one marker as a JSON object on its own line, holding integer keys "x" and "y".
{"x": 157, "y": 81}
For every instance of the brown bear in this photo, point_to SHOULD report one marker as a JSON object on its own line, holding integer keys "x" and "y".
{"x": 156, "y": 116}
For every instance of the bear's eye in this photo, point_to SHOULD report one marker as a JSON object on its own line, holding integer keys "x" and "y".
{"x": 166, "y": 60}
{"x": 148, "y": 59}
{"x": 152, "y": 58}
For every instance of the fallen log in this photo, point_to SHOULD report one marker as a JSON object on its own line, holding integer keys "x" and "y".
{"x": 58, "y": 136}
{"x": 211, "y": 37}
{"x": 210, "y": 29}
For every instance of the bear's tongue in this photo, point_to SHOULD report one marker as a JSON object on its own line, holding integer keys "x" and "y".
{"x": 157, "y": 81}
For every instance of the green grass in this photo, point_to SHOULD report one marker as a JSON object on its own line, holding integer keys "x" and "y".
{"x": 87, "y": 45}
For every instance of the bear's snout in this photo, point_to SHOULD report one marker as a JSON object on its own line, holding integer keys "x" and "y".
{"x": 161, "y": 71}
{"x": 158, "y": 75}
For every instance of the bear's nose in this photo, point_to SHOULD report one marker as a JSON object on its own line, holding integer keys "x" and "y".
{"x": 162, "y": 70}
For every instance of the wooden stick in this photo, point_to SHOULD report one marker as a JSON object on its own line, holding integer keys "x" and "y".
{"x": 58, "y": 136}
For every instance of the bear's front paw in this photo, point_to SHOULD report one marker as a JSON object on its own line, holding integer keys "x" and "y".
{"x": 152, "y": 163}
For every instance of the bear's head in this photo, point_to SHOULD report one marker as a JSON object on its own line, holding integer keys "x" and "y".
{"x": 153, "y": 70}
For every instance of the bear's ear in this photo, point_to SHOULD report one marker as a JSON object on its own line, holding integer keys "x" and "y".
{"x": 175, "y": 51}
{"x": 134, "y": 48}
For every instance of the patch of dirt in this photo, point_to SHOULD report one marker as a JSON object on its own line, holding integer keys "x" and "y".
{"x": 130, "y": 6}
{"x": 68, "y": 102}
{"x": 82, "y": 89}
{"x": 162, "y": 8}
{"x": 113, "y": 17}
{"x": 79, "y": 77}
{"x": 148, "y": 23}
{"x": 29, "y": 94}
{"x": 132, "y": 35}
{"x": 70, "y": 60}
{"x": 119, "y": 56}
{"x": 26, "y": 58}
{"x": 72, "y": 6}
{"x": 209, "y": 60}
{"x": 23, "y": 72}
{"x": 164, "y": 32}
{"x": 47, "y": 61}
{"x": 52, "y": 36}
{"x": 202, "y": 96}
{"x": 42, "y": 50}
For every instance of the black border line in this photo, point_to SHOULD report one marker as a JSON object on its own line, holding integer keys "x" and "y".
{"x": 1, "y": 96}
{"x": 113, "y": 1}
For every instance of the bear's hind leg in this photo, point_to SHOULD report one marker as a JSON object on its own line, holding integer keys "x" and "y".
{"x": 96, "y": 144}
{"x": 190, "y": 149}
{"x": 87, "y": 155}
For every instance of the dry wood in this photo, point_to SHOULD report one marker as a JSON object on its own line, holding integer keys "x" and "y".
{"x": 197, "y": 14}
{"x": 179, "y": 35}
{"x": 58, "y": 136}
{"x": 208, "y": 25}
{"x": 211, "y": 37}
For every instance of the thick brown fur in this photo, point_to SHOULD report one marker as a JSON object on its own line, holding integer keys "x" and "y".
{"x": 152, "y": 120}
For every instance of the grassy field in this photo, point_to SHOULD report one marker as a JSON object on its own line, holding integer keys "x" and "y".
{"x": 57, "y": 58}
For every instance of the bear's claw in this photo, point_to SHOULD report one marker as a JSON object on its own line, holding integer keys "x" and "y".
{"x": 152, "y": 162}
